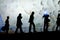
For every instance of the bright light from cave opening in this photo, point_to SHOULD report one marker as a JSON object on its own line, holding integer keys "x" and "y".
{"x": 12, "y": 8}
{"x": 46, "y": 12}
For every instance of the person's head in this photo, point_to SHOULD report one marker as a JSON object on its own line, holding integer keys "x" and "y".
{"x": 19, "y": 14}
{"x": 33, "y": 13}
{"x": 7, "y": 17}
{"x": 59, "y": 15}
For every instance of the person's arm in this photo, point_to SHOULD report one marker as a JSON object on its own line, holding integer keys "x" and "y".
{"x": 21, "y": 17}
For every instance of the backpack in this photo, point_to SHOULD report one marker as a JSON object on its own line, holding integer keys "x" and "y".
{"x": 3, "y": 28}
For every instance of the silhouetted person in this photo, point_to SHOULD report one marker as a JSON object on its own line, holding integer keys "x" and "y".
{"x": 19, "y": 24}
{"x": 46, "y": 22}
{"x": 7, "y": 24}
{"x": 58, "y": 22}
{"x": 31, "y": 22}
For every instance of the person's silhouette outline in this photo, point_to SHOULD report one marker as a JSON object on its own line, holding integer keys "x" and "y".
{"x": 7, "y": 24}
{"x": 31, "y": 19}
{"x": 19, "y": 23}
{"x": 46, "y": 22}
{"x": 58, "y": 22}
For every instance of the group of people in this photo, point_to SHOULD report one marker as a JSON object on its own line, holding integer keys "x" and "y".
{"x": 31, "y": 21}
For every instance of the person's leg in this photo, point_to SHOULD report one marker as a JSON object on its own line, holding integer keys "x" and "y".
{"x": 16, "y": 30}
{"x": 47, "y": 28}
{"x": 34, "y": 27}
{"x": 21, "y": 29}
{"x": 44, "y": 27}
{"x": 7, "y": 31}
{"x": 30, "y": 27}
{"x": 6, "y": 28}
{"x": 57, "y": 28}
